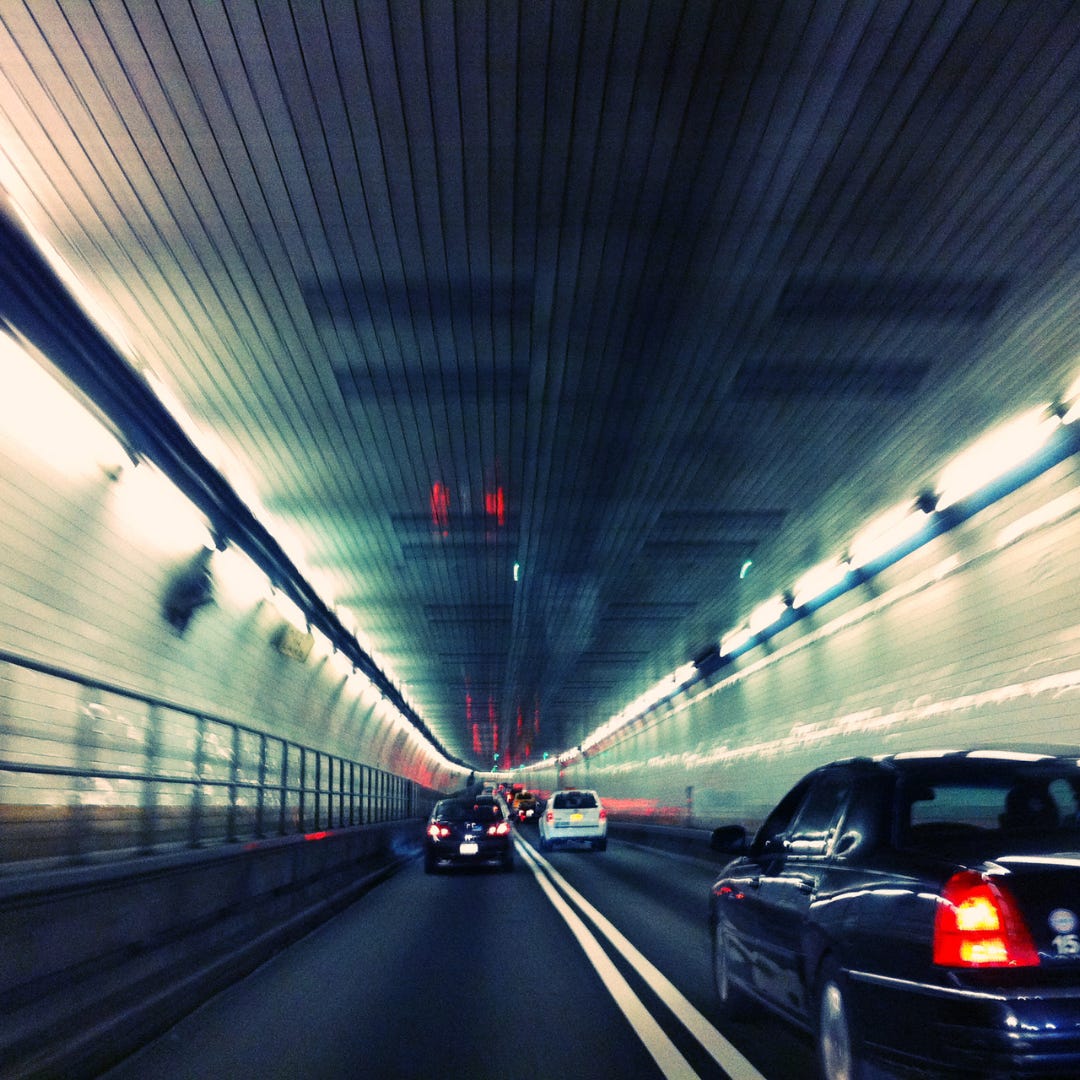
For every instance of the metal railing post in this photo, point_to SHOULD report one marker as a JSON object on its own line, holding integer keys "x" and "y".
{"x": 234, "y": 776}
{"x": 197, "y": 798}
{"x": 302, "y": 800}
{"x": 260, "y": 794}
{"x": 152, "y": 754}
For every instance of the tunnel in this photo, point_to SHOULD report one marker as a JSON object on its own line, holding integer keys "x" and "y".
{"x": 406, "y": 401}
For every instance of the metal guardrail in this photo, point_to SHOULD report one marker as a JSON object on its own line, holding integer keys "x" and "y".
{"x": 89, "y": 768}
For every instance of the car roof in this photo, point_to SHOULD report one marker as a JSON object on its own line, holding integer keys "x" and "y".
{"x": 979, "y": 759}
{"x": 956, "y": 764}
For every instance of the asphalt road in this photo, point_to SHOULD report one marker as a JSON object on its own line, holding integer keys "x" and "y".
{"x": 579, "y": 964}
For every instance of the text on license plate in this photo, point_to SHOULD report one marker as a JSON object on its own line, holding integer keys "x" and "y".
{"x": 469, "y": 847}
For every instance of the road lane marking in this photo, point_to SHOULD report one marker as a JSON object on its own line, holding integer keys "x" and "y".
{"x": 721, "y": 1051}
{"x": 664, "y": 1052}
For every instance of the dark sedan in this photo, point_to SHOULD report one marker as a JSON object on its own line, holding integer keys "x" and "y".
{"x": 920, "y": 912}
{"x": 468, "y": 832}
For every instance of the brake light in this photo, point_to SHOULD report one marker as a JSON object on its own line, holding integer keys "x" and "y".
{"x": 435, "y": 831}
{"x": 978, "y": 924}
{"x": 499, "y": 830}
{"x": 603, "y": 814}
{"x": 550, "y": 815}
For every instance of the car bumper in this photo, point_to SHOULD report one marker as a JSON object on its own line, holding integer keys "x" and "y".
{"x": 560, "y": 834}
{"x": 485, "y": 852}
{"x": 969, "y": 1032}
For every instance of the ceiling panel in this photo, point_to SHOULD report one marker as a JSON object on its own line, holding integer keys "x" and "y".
{"x": 618, "y": 295}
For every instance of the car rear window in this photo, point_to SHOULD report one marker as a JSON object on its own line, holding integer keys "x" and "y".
{"x": 1028, "y": 802}
{"x": 575, "y": 800}
{"x": 481, "y": 810}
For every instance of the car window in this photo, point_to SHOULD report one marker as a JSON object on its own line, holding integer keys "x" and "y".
{"x": 819, "y": 815}
{"x": 1066, "y": 797}
{"x": 1025, "y": 803}
{"x": 977, "y": 805}
{"x": 775, "y": 827}
{"x": 575, "y": 800}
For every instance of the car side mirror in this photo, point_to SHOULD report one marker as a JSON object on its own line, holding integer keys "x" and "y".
{"x": 730, "y": 839}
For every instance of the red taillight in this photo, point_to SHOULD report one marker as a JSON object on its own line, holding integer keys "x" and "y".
{"x": 550, "y": 815}
{"x": 979, "y": 925}
{"x": 436, "y": 831}
{"x": 603, "y": 814}
{"x": 499, "y": 830}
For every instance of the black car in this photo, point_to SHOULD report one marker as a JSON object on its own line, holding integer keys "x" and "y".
{"x": 468, "y": 832}
{"x": 920, "y": 912}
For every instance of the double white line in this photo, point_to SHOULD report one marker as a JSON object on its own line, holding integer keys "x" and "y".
{"x": 664, "y": 1052}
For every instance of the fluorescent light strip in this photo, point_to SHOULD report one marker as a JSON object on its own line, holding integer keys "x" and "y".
{"x": 985, "y": 461}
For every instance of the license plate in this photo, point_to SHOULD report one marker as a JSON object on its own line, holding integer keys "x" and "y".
{"x": 468, "y": 848}
{"x": 577, "y": 817}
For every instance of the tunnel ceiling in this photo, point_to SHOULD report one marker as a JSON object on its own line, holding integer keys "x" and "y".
{"x": 610, "y": 293}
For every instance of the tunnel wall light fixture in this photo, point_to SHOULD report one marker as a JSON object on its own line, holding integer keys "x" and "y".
{"x": 992, "y": 467}
{"x": 816, "y": 586}
{"x": 995, "y": 454}
{"x": 49, "y": 313}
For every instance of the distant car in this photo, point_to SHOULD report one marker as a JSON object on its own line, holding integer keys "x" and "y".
{"x": 919, "y": 912}
{"x": 469, "y": 832}
{"x": 573, "y": 816}
{"x": 525, "y": 806}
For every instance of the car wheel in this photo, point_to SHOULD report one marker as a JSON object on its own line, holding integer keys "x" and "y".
{"x": 545, "y": 845}
{"x": 507, "y": 864}
{"x": 734, "y": 1003}
{"x": 429, "y": 865}
{"x": 839, "y": 1049}
{"x": 600, "y": 845}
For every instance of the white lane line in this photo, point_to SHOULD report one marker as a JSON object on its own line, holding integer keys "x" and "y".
{"x": 721, "y": 1051}
{"x": 664, "y": 1052}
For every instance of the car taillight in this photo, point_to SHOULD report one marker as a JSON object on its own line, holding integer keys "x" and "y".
{"x": 603, "y": 814}
{"x": 499, "y": 830}
{"x": 978, "y": 924}
{"x": 550, "y": 815}
{"x": 435, "y": 831}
